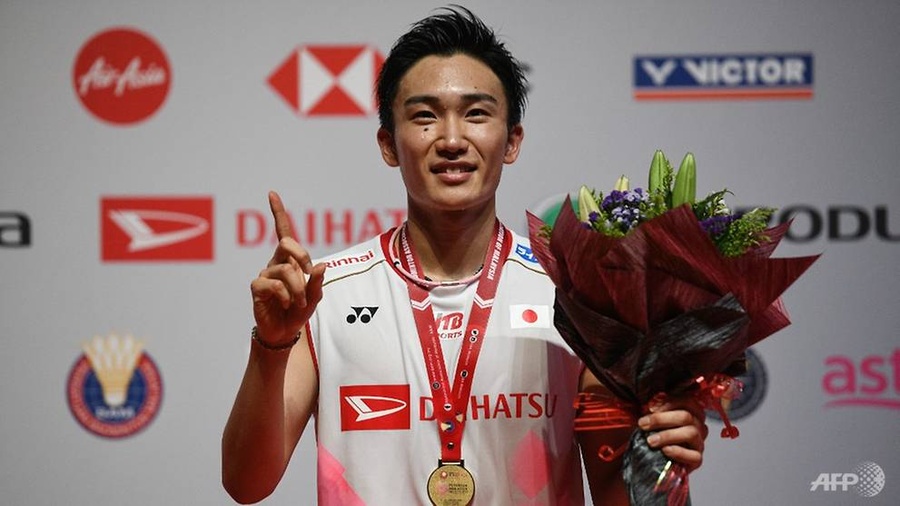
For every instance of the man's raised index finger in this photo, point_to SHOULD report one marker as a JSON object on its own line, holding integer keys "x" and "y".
{"x": 282, "y": 221}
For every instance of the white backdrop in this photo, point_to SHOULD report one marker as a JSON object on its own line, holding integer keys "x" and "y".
{"x": 206, "y": 124}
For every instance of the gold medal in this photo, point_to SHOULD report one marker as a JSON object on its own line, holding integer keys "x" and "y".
{"x": 451, "y": 485}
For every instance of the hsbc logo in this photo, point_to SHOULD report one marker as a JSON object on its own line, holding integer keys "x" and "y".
{"x": 329, "y": 80}
{"x": 138, "y": 229}
{"x": 374, "y": 407}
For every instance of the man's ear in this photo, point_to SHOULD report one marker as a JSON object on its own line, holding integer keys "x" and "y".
{"x": 513, "y": 143}
{"x": 387, "y": 147}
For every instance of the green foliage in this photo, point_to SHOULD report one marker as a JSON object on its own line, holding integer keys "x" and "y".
{"x": 745, "y": 232}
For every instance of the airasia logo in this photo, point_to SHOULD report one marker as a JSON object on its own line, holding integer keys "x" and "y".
{"x": 121, "y": 76}
{"x": 337, "y": 80}
{"x": 871, "y": 382}
{"x": 137, "y": 229}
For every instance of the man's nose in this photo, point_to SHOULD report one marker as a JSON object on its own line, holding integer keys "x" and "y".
{"x": 453, "y": 136}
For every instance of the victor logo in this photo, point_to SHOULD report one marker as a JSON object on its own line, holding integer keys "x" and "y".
{"x": 723, "y": 76}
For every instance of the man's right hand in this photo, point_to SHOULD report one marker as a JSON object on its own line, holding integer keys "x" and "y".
{"x": 283, "y": 297}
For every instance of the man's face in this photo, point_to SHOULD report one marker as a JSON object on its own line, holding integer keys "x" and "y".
{"x": 450, "y": 137}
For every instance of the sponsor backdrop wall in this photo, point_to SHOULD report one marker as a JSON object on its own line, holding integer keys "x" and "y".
{"x": 138, "y": 141}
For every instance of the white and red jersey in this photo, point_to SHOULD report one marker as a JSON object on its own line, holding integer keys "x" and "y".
{"x": 377, "y": 436}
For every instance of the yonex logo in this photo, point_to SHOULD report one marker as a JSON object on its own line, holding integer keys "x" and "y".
{"x": 337, "y": 80}
{"x": 723, "y": 76}
{"x": 361, "y": 314}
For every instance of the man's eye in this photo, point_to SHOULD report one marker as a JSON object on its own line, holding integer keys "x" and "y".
{"x": 423, "y": 115}
{"x": 476, "y": 112}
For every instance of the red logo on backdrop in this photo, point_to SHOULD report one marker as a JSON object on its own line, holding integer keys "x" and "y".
{"x": 871, "y": 382}
{"x": 318, "y": 227}
{"x": 375, "y": 407}
{"x": 121, "y": 76}
{"x": 329, "y": 80}
{"x": 142, "y": 229}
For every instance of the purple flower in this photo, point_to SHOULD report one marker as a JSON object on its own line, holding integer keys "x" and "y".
{"x": 717, "y": 225}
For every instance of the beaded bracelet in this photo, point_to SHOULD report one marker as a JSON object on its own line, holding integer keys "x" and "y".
{"x": 254, "y": 334}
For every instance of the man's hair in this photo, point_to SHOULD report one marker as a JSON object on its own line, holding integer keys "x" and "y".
{"x": 456, "y": 30}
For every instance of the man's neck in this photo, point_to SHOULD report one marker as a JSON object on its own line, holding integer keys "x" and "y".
{"x": 451, "y": 246}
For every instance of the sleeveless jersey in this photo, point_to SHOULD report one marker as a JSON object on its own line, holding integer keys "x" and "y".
{"x": 376, "y": 432}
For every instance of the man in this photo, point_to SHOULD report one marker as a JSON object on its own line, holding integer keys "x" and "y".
{"x": 426, "y": 355}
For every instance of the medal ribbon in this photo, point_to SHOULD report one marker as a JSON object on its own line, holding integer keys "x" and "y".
{"x": 450, "y": 406}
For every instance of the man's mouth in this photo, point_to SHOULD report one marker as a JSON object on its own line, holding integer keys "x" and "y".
{"x": 452, "y": 169}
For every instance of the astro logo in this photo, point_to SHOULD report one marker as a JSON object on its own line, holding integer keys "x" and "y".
{"x": 374, "y": 407}
{"x": 114, "y": 388}
{"x": 361, "y": 314}
{"x": 329, "y": 80}
{"x": 136, "y": 229}
{"x": 867, "y": 480}
{"x": 723, "y": 77}
{"x": 872, "y": 382}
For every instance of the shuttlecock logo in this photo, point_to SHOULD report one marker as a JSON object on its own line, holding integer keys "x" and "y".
{"x": 113, "y": 361}
{"x": 114, "y": 388}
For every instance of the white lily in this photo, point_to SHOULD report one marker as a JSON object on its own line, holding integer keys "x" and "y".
{"x": 586, "y": 204}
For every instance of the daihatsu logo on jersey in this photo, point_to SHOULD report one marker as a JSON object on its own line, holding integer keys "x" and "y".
{"x": 141, "y": 229}
{"x": 122, "y": 76}
{"x": 374, "y": 407}
{"x": 336, "y": 80}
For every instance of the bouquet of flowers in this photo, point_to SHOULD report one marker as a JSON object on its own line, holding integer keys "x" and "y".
{"x": 659, "y": 293}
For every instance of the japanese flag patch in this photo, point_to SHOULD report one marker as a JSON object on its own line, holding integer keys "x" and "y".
{"x": 524, "y": 316}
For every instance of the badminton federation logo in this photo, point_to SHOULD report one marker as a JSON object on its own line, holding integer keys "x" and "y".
{"x": 114, "y": 388}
